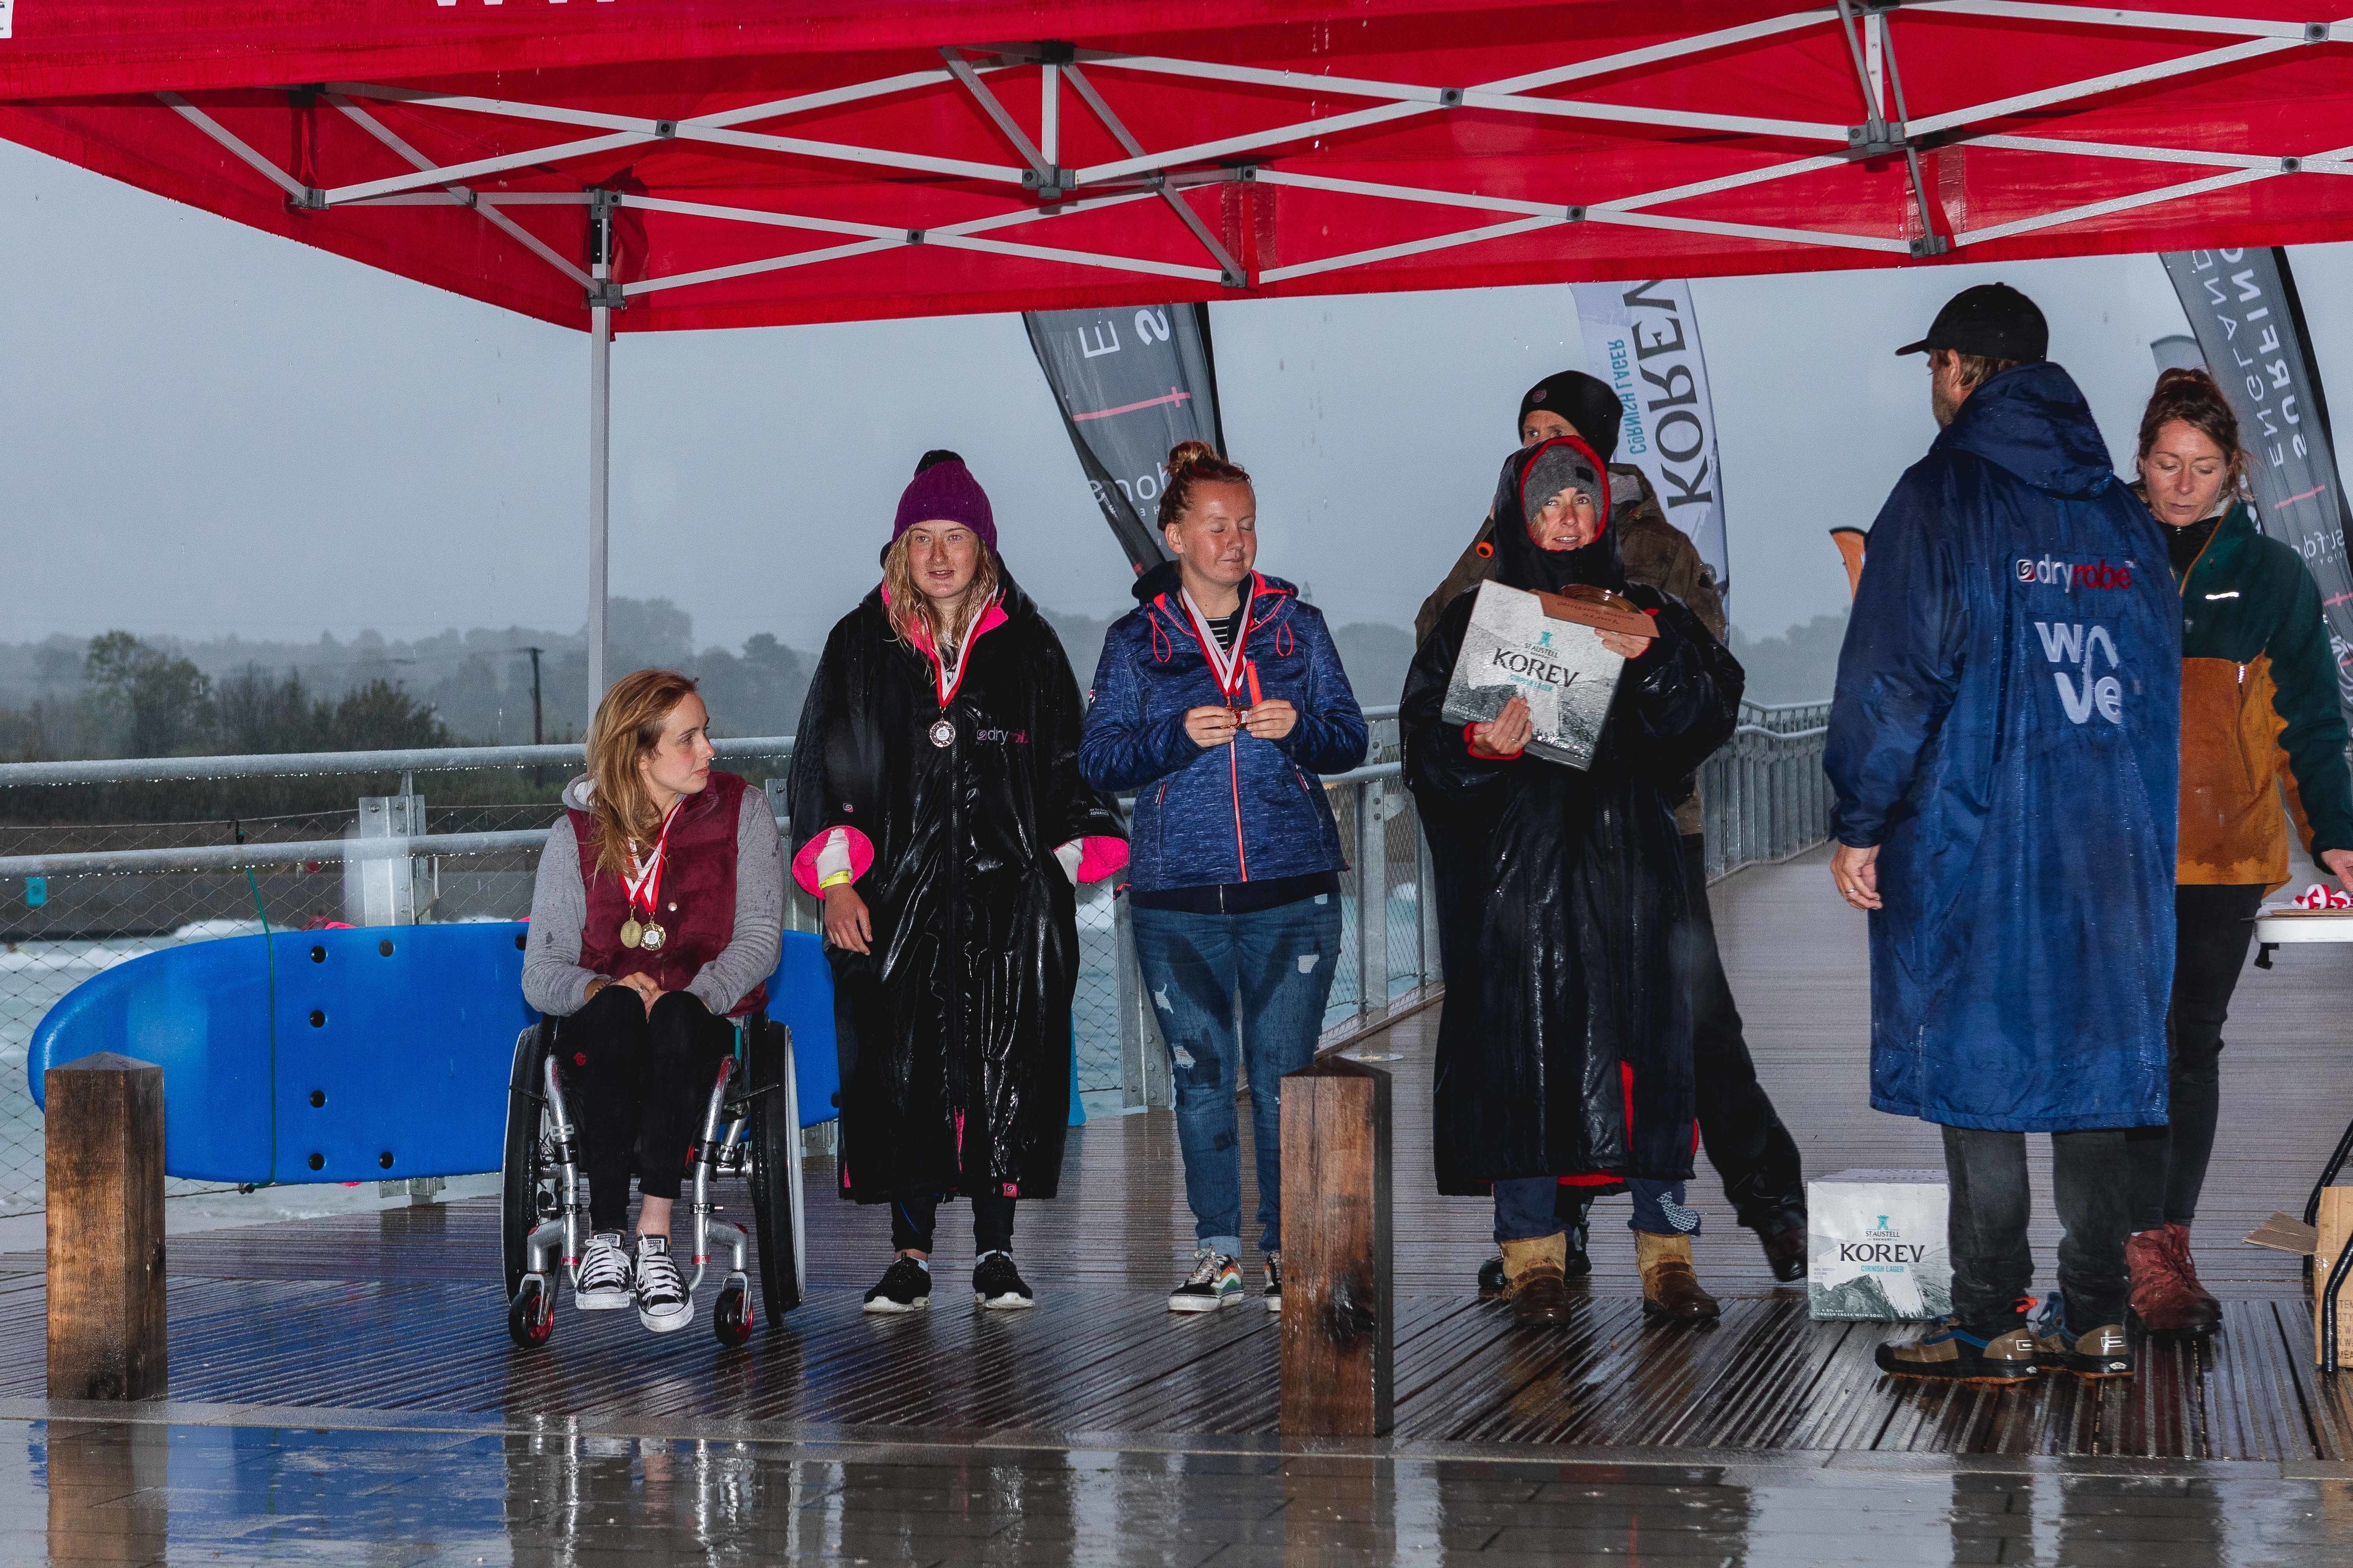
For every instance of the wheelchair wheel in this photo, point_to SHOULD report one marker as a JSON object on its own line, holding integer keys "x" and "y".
{"x": 731, "y": 1318}
{"x": 531, "y": 1314}
{"x": 776, "y": 1138}
{"x": 526, "y": 1176}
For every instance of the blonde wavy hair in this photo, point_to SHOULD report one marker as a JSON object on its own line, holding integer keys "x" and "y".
{"x": 626, "y": 730}
{"x": 907, "y": 602}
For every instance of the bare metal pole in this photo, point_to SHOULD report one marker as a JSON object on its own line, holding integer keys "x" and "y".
{"x": 600, "y": 407}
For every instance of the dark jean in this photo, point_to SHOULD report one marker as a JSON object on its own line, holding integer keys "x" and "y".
{"x": 1742, "y": 1134}
{"x": 2212, "y": 928}
{"x": 914, "y": 1217}
{"x": 1529, "y": 1206}
{"x": 1231, "y": 990}
{"x": 1993, "y": 1268}
{"x": 637, "y": 1085}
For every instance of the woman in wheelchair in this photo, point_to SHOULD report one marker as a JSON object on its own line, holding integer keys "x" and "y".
{"x": 654, "y": 922}
{"x": 938, "y": 811}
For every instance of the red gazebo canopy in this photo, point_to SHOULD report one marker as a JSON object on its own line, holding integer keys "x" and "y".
{"x": 778, "y": 161}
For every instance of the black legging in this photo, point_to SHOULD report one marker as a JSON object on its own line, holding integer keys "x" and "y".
{"x": 637, "y": 1085}
{"x": 915, "y": 1216}
{"x": 2212, "y": 926}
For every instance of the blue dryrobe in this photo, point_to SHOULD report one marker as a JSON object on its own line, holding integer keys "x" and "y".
{"x": 2008, "y": 729}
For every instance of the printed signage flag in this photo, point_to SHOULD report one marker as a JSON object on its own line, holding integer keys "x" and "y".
{"x": 1131, "y": 385}
{"x": 1643, "y": 340}
{"x": 2243, "y": 306}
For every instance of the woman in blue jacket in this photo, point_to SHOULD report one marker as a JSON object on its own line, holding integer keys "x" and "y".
{"x": 1218, "y": 702}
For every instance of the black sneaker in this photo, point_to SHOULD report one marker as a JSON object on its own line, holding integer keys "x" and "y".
{"x": 663, "y": 1305}
{"x": 1490, "y": 1279}
{"x": 2003, "y": 1352}
{"x": 2100, "y": 1353}
{"x": 1274, "y": 1283}
{"x": 604, "y": 1283}
{"x": 905, "y": 1286}
{"x": 1216, "y": 1281}
{"x": 998, "y": 1285}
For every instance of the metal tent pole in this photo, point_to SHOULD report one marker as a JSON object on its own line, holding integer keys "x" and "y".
{"x": 600, "y": 408}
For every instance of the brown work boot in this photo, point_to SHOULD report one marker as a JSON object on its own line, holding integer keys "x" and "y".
{"x": 1535, "y": 1281}
{"x": 1670, "y": 1288}
{"x": 2166, "y": 1295}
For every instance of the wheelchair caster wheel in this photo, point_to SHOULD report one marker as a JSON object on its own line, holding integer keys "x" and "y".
{"x": 530, "y": 1316}
{"x": 731, "y": 1318}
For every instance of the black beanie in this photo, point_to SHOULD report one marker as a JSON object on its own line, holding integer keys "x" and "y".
{"x": 1591, "y": 409}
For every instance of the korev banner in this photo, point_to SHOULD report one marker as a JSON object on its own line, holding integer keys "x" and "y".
{"x": 1131, "y": 385}
{"x": 2243, "y": 306}
{"x": 1643, "y": 340}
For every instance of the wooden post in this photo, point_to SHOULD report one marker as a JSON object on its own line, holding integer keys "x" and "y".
{"x": 104, "y": 1136}
{"x": 1338, "y": 1311}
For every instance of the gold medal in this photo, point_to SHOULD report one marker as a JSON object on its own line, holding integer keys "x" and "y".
{"x": 652, "y": 937}
{"x": 632, "y": 932}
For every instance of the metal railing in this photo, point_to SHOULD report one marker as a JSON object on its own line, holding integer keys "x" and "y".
{"x": 76, "y": 898}
{"x": 1763, "y": 796}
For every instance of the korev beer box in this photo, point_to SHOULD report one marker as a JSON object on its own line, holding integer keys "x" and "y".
{"x": 1877, "y": 1250}
{"x": 1544, "y": 646}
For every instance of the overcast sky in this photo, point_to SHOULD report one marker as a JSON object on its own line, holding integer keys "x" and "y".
{"x": 208, "y": 430}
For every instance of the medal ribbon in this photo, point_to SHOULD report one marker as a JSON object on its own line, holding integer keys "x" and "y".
{"x": 645, "y": 888}
{"x": 951, "y": 676}
{"x": 1225, "y": 665}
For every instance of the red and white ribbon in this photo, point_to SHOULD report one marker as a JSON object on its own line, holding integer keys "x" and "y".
{"x": 1226, "y": 665}
{"x": 2320, "y": 896}
{"x": 644, "y": 887}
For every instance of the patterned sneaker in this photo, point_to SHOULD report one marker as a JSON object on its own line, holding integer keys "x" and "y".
{"x": 1216, "y": 1281}
{"x": 1274, "y": 1283}
{"x": 2102, "y": 1352}
{"x": 905, "y": 1286}
{"x": 663, "y": 1305}
{"x": 998, "y": 1285}
{"x": 604, "y": 1283}
{"x": 2003, "y": 1353}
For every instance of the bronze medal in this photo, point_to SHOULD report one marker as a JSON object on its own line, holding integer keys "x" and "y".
{"x": 943, "y": 734}
{"x": 631, "y": 931}
{"x": 652, "y": 937}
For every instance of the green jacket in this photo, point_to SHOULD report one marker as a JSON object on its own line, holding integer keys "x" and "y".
{"x": 2259, "y": 686}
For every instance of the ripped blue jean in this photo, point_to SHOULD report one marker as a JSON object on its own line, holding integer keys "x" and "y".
{"x": 1230, "y": 990}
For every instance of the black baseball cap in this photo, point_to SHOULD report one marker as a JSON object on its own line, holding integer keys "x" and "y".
{"x": 1992, "y": 320}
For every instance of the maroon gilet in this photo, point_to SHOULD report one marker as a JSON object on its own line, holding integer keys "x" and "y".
{"x": 697, "y": 912}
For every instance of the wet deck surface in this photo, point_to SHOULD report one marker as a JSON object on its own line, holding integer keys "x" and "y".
{"x": 1101, "y": 1418}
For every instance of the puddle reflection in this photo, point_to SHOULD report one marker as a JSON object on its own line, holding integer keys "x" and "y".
{"x": 121, "y": 1493}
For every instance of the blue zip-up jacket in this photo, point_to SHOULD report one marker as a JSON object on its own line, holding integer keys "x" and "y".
{"x": 2007, "y": 729}
{"x": 1249, "y": 812}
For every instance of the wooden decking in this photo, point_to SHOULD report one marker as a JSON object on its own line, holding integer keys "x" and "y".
{"x": 402, "y": 1312}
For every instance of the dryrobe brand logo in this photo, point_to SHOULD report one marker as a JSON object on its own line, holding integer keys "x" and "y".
{"x": 2082, "y": 693}
{"x": 2050, "y": 572}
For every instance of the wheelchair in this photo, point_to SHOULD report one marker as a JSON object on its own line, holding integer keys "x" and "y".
{"x": 750, "y": 1128}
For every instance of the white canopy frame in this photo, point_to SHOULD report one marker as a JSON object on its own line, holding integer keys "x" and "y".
{"x": 1044, "y": 190}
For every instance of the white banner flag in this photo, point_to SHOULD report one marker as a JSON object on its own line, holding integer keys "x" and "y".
{"x": 1642, "y": 339}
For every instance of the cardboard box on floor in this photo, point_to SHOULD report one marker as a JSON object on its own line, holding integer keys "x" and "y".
{"x": 2321, "y": 1243}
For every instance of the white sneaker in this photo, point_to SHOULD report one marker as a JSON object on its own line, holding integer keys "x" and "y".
{"x": 663, "y": 1305}
{"x": 605, "y": 1283}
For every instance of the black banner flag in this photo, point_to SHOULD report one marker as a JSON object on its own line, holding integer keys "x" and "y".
{"x": 1131, "y": 385}
{"x": 2243, "y": 306}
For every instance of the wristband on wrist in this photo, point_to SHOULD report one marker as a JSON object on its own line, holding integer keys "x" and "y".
{"x": 838, "y": 880}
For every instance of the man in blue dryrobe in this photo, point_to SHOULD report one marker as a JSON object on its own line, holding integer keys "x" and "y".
{"x": 2005, "y": 744}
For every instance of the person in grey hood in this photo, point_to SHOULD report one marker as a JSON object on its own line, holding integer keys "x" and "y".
{"x": 655, "y": 921}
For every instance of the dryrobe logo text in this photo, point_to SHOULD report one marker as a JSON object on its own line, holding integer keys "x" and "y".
{"x": 2081, "y": 694}
{"x": 2073, "y": 574}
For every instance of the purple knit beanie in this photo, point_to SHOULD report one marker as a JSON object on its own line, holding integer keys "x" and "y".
{"x": 946, "y": 492}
